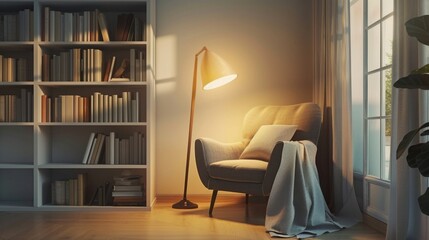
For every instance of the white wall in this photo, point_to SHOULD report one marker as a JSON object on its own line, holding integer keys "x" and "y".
{"x": 268, "y": 43}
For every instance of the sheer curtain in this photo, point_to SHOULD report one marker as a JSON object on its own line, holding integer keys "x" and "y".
{"x": 405, "y": 219}
{"x": 332, "y": 93}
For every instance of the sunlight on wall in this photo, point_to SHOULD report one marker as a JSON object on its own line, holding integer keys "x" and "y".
{"x": 166, "y": 60}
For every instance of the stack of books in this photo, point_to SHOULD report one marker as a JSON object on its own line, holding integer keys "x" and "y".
{"x": 128, "y": 191}
{"x": 69, "y": 192}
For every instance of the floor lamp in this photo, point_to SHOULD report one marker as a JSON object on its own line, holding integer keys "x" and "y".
{"x": 215, "y": 72}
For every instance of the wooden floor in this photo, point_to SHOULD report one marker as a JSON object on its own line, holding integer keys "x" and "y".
{"x": 231, "y": 220}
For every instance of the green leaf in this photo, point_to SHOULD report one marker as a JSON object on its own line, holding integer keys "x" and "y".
{"x": 424, "y": 202}
{"x": 422, "y": 160}
{"x": 407, "y": 139}
{"x": 422, "y": 70}
{"x": 418, "y": 78}
{"x": 413, "y": 152}
{"x": 418, "y": 27}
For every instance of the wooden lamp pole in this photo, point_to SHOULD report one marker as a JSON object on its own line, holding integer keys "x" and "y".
{"x": 185, "y": 203}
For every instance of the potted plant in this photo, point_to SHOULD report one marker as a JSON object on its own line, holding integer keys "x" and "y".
{"x": 418, "y": 154}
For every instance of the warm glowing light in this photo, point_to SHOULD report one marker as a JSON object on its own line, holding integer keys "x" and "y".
{"x": 215, "y": 71}
{"x": 220, "y": 82}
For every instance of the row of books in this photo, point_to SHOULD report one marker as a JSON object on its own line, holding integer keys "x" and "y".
{"x": 68, "y": 26}
{"x": 73, "y": 65}
{"x": 69, "y": 192}
{"x": 102, "y": 195}
{"x": 132, "y": 70}
{"x": 128, "y": 191}
{"x": 129, "y": 28}
{"x": 17, "y": 27}
{"x": 17, "y": 108}
{"x": 96, "y": 108}
{"x": 86, "y": 65}
{"x": 87, "y": 26}
{"x": 13, "y": 69}
{"x": 110, "y": 149}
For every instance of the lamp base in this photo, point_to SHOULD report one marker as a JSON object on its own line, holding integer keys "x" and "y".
{"x": 185, "y": 204}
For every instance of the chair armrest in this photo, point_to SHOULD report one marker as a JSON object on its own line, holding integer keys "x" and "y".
{"x": 272, "y": 168}
{"x": 208, "y": 151}
{"x": 213, "y": 151}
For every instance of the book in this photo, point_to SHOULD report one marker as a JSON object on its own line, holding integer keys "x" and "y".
{"x": 44, "y": 105}
{"x": 119, "y": 80}
{"x": 125, "y": 107}
{"x": 120, "y": 188}
{"x": 120, "y": 71}
{"x": 101, "y": 195}
{"x": 88, "y": 148}
{"x": 109, "y": 69}
{"x": 112, "y": 148}
{"x": 123, "y": 26}
{"x": 81, "y": 189}
{"x": 127, "y": 180}
{"x": 132, "y": 65}
{"x": 60, "y": 193}
{"x": 142, "y": 67}
{"x": 127, "y": 194}
{"x": 95, "y": 158}
{"x": 94, "y": 149}
{"x": 46, "y": 24}
{"x": 103, "y": 29}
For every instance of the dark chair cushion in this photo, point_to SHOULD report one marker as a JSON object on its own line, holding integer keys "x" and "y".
{"x": 241, "y": 170}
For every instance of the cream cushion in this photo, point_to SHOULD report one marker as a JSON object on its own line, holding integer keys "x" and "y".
{"x": 262, "y": 144}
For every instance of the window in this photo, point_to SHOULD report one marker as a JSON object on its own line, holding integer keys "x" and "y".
{"x": 371, "y": 40}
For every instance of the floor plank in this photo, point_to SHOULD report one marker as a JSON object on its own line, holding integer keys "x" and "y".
{"x": 231, "y": 220}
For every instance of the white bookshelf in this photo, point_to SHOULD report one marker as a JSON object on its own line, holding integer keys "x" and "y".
{"x": 34, "y": 154}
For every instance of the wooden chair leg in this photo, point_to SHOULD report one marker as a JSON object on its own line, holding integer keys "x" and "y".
{"x": 247, "y": 198}
{"x": 212, "y": 203}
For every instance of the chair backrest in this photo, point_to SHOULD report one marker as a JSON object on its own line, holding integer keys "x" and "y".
{"x": 306, "y": 116}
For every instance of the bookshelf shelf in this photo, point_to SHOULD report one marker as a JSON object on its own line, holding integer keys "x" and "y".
{"x": 111, "y": 44}
{"x": 18, "y": 84}
{"x": 38, "y": 154}
{"x": 49, "y": 207}
{"x": 16, "y": 124}
{"x": 16, "y": 46}
{"x": 94, "y": 84}
{"x": 16, "y": 166}
{"x": 92, "y": 124}
{"x": 16, "y": 205}
{"x": 90, "y": 166}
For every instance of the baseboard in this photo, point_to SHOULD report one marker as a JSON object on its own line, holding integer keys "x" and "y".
{"x": 375, "y": 224}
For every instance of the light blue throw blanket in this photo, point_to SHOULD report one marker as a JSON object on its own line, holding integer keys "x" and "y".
{"x": 296, "y": 206}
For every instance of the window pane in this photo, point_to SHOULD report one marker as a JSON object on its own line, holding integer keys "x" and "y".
{"x": 373, "y": 146}
{"x": 373, "y": 11}
{"x": 386, "y": 144}
{"x": 373, "y": 91}
{"x": 387, "y": 80}
{"x": 387, "y": 41}
{"x": 387, "y": 7}
{"x": 374, "y": 48}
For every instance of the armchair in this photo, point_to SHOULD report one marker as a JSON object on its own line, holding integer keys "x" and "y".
{"x": 220, "y": 168}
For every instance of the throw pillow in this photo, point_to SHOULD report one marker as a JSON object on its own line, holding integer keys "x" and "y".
{"x": 262, "y": 144}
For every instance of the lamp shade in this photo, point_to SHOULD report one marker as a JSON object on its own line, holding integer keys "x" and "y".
{"x": 215, "y": 72}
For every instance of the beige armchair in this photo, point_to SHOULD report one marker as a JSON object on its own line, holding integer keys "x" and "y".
{"x": 220, "y": 168}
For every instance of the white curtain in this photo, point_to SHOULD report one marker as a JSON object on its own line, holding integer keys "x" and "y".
{"x": 332, "y": 92}
{"x": 409, "y": 110}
